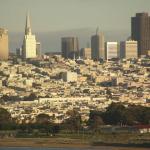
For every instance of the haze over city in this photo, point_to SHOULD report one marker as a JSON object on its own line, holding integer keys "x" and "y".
{"x": 75, "y": 74}
{"x": 52, "y": 19}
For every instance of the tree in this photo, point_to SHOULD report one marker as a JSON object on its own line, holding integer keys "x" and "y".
{"x": 115, "y": 114}
{"x": 95, "y": 120}
{"x": 73, "y": 123}
{"x": 43, "y": 123}
{"x": 5, "y": 119}
{"x": 141, "y": 114}
{"x": 42, "y": 118}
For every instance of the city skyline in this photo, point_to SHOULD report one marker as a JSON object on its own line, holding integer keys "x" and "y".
{"x": 74, "y": 74}
{"x": 53, "y": 20}
{"x": 50, "y": 15}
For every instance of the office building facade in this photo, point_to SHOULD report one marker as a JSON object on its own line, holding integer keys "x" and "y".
{"x": 128, "y": 49}
{"x": 112, "y": 50}
{"x": 98, "y": 47}
{"x": 140, "y": 31}
{"x": 70, "y": 47}
{"x": 85, "y": 53}
{"x": 38, "y": 49}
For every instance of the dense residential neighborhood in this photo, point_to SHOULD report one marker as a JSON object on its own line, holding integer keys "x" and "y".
{"x": 55, "y": 85}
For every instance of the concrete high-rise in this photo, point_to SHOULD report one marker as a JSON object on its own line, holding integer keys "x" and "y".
{"x": 140, "y": 31}
{"x": 29, "y": 42}
{"x": 112, "y": 50}
{"x": 128, "y": 49}
{"x": 70, "y": 47}
{"x": 38, "y": 49}
{"x": 98, "y": 46}
{"x": 85, "y": 53}
{"x": 19, "y": 52}
{"x": 4, "y": 52}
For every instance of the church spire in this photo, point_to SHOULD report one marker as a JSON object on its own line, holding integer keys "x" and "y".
{"x": 28, "y": 25}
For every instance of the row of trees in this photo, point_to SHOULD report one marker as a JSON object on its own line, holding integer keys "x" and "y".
{"x": 116, "y": 114}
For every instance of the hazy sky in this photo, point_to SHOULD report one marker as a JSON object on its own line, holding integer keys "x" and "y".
{"x": 53, "y": 15}
{"x": 52, "y": 19}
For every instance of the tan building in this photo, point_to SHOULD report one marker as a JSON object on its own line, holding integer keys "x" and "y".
{"x": 129, "y": 49}
{"x": 86, "y": 53}
{"x": 3, "y": 44}
{"x": 69, "y": 76}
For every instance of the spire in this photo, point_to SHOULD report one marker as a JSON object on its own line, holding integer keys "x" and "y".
{"x": 28, "y": 25}
{"x": 97, "y": 30}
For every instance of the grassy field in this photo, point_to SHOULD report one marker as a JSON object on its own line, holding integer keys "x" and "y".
{"x": 78, "y": 140}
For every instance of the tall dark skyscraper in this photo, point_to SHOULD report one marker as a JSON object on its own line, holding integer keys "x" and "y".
{"x": 97, "y": 46}
{"x": 70, "y": 47}
{"x": 140, "y": 31}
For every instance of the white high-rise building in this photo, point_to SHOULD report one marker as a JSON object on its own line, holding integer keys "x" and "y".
{"x": 111, "y": 50}
{"x": 29, "y": 42}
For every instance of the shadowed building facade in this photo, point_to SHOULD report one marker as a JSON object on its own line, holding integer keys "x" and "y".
{"x": 140, "y": 31}
{"x": 98, "y": 46}
{"x": 85, "y": 53}
{"x": 4, "y": 52}
{"x": 38, "y": 49}
{"x": 70, "y": 47}
{"x": 128, "y": 49}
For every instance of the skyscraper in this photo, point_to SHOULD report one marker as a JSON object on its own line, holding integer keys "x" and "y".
{"x": 38, "y": 49}
{"x": 128, "y": 49}
{"x": 112, "y": 50}
{"x": 29, "y": 42}
{"x": 98, "y": 46}
{"x": 70, "y": 47}
{"x": 3, "y": 44}
{"x": 85, "y": 53}
{"x": 140, "y": 31}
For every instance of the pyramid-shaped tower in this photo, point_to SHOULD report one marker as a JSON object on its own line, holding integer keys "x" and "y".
{"x": 29, "y": 42}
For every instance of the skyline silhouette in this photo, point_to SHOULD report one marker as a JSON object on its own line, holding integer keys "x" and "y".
{"x": 52, "y": 19}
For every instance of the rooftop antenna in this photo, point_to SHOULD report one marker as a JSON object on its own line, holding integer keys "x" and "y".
{"x": 97, "y": 30}
{"x": 28, "y": 24}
